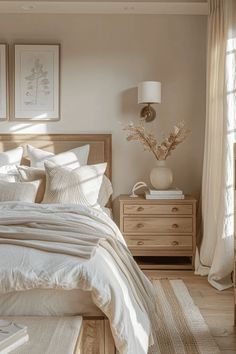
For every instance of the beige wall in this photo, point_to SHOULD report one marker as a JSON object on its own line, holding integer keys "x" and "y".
{"x": 102, "y": 60}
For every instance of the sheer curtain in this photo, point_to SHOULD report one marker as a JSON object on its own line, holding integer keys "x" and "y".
{"x": 215, "y": 257}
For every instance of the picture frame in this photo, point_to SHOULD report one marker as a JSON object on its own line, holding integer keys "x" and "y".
{"x": 3, "y": 82}
{"x": 37, "y": 82}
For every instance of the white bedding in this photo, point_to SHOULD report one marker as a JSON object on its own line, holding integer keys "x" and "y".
{"x": 108, "y": 211}
{"x": 74, "y": 247}
{"x": 48, "y": 302}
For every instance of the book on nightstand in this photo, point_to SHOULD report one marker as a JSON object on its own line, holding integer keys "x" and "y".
{"x": 172, "y": 193}
{"x": 12, "y": 336}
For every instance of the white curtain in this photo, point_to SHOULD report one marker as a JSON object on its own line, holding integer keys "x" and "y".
{"x": 215, "y": 256}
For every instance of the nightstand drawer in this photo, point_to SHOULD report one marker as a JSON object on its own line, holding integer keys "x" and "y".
{"x": 163, "y": 229}
{"x": 158, "y": 225}
{"x": 160, "y": 242}
{"x": 154, "y": 209}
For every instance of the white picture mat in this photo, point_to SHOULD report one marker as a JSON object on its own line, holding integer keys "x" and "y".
{"x": 37, "y": 82}
{"x": 3, "y": 81}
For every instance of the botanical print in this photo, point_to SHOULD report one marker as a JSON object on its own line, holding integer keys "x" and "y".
{"x": 37, "y": 82}
{"x": 38, "y": 85}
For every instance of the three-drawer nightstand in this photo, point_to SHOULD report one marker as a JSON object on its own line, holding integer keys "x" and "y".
{"x": 160, "y": 228}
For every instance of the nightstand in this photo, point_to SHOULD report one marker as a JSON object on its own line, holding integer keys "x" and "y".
{"x": 164, "y": 229}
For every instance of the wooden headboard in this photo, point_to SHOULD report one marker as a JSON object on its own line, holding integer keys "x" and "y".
{"x": 100, "y": 145}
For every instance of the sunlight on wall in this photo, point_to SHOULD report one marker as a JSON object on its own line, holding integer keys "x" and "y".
{"x": 24, "y": 127}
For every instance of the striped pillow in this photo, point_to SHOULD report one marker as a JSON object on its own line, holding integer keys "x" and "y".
{"x": 78, "y": 186}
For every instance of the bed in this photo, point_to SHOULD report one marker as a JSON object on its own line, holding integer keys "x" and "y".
{"x": 55, "y": 302}
{"x": 94, "y": 275}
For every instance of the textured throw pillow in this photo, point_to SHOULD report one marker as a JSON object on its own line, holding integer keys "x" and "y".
{"x": 78, "y": 186}
{"x": 105, "y": 192}
{"x": 72, "y": 158}
{"x": 11, "y": 157}
{"x": 18, "y": 191}
{"x": 29, "y": 174}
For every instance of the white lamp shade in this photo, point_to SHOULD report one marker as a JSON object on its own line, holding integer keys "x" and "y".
{"x": 149, "y": 92}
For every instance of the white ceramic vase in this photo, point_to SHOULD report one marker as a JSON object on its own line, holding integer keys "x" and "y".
{"x": 161, "y": 176}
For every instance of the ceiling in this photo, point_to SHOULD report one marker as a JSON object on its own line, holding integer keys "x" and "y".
{"x": 187, "y": 7}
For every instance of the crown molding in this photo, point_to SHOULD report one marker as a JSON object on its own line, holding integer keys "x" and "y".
{"x": 104, "y": 7}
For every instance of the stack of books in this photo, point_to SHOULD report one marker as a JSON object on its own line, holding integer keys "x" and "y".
{"x": 12, "y": 336}
{"x": 172, "y": 193}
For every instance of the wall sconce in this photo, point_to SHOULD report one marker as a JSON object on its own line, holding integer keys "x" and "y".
{"x": 149, "y": 92}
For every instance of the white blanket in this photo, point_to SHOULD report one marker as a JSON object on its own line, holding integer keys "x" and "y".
{"x": 74, "y": 247}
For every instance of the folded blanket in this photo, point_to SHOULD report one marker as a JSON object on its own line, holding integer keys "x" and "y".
{"x": 123, "y": 292}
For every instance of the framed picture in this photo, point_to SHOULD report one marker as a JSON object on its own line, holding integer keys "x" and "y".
{"x": 3, "y": 82}
{"x": 37, "y": 71}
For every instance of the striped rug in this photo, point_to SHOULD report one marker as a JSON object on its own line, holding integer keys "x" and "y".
{"x": 182, "y": 329}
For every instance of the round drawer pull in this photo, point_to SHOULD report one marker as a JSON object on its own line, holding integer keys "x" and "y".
{"x": 174, "y": 210}
{"x": 175, "y": 226}
{"x": 175, "y": 243}
{"x": 140, "y": 243}
{"x": 140, "y": 225}
{"x": 140, "y": 208}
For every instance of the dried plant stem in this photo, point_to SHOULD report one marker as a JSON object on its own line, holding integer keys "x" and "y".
{"x": 160, "y": 151}
{"x": 148, "y": 143}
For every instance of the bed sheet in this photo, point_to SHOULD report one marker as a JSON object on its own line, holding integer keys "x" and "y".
{"x": 48, "y": 302}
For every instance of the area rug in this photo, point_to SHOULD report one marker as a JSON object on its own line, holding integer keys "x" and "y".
{"x": 182, "y": 329}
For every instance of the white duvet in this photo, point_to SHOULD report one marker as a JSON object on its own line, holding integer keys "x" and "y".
{"x": 74, "y": 247}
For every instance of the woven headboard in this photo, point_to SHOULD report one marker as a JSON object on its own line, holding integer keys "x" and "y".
{"x": 100, "y": 145}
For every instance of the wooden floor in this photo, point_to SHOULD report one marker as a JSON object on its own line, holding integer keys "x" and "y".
{"x": 215, "y": 306}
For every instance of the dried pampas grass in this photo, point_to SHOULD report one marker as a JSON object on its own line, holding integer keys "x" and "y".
{"x": 163, "y": 150}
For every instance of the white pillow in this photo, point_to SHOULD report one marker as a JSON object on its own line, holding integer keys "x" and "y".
{"x": 105, "y": 192}
{"x": 72, "y": 158}
{"x": 18, "y": 191}
{"x": 30, "y": 174}
{"x": 11, "y": 157}
{"x": 9, "y": 173}
{"x": 78, "y": 186}
{"x": 7, "y": 177}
